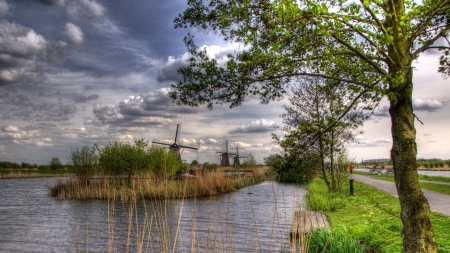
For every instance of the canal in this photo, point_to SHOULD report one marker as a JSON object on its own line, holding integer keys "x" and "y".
{"x": 254, "y": 219}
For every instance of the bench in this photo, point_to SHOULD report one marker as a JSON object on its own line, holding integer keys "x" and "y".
{"x": 389, "y": 172}
{"x": 377, "y": 171}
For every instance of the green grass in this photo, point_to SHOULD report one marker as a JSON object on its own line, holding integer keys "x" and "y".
{"x": 371, "y": 216}
{"x": 324, "y": 240}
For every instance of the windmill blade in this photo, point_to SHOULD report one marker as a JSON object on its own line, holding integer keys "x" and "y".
{"x": 226, "y": 145}
{"x": 177, "y": 134}
{"x": 181, "y": 146}
{"x": 161, "y": 143}
{"x": 198, "y": 151}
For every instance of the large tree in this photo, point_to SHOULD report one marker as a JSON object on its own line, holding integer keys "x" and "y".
{"x": 368, "y": 44}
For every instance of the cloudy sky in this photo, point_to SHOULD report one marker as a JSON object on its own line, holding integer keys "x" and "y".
{"x": 79, "y": 72}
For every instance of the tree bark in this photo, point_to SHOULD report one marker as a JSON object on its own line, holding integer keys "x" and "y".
{"x": 417, "y": 232}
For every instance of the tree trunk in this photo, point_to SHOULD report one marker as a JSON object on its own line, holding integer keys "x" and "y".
{"x": 417, "y": 232}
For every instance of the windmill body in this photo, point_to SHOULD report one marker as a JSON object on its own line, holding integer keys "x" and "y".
{"x": 225, "y": 157}
{"x": 236, "y": 158}
{"x": 175, "y": 147}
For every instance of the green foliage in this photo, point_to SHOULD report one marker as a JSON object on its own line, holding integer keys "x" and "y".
{"x": 249, "y": 162}
{"x": 163, "y": 162}
{"x": 84, "y": 162}
{"x": 210, "y": 166}
{"x": 121, "y": 158}
{"x": 275, "y": 161}
{"x": 194, "y": 163}
{"x": 55, "y": 164}
{"x": 185, "y": 166}
{"x": 339, "y": 241}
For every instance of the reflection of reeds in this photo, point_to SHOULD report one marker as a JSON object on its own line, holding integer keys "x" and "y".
{"x": 155, "y": 226}
{"x": 150, "y": 187}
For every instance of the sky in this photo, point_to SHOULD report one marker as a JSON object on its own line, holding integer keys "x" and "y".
{"x": 80, "y": 72}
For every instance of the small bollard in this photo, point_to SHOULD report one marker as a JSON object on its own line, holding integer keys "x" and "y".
{"x": 351, "y": 180}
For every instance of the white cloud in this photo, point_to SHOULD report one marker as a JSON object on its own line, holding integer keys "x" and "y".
{"x": 189, "y": 142}
{"x": 10, "y": 129}
{"x": 361, "y": 141}
{"x": 74, "y": 33}
{"x": 85, "y": 9}
{"x": 240, "y": 144}
{"x": 257, "y": 126}
{"x": 429, "y": 105}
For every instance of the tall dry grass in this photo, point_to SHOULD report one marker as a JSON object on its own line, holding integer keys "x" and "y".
{"x": 13, "y": 174}
{"x": 149, "y": 187}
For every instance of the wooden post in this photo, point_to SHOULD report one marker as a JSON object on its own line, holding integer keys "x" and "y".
{"x": 351, "y": 188}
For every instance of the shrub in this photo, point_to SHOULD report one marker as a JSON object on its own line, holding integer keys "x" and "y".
{"x": 121, "y": 158}
{"x": 84, "y": 162}
{"x": 163, "y": 162}
{"x": 55, "y": 164}
{"x": 249, "y": 162}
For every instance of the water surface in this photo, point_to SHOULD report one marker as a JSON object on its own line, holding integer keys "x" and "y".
{"x": 253, "y": 219}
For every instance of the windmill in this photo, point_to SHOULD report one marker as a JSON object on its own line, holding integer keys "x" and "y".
{"x": 175, "y": 147}
{"x": 236, "y": 158}
{"x": 225, "y": 156}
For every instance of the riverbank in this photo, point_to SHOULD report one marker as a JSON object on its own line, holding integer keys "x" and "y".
{"x": 371, "y": 216}
{"x": 149, "y": 187}
{"x": 33, "y": 173}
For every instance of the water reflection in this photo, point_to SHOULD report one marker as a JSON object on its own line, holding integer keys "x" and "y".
{"x": 254, "y": 219}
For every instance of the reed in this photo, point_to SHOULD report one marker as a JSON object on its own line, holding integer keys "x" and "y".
{"x": 148, "y": 226}
{"x": 147, "y": 186}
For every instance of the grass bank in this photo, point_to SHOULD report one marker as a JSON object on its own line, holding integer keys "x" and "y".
{"x": 371, "y": 216}
{"x": 149, "y": 187}
{"x": 33, "y": 173}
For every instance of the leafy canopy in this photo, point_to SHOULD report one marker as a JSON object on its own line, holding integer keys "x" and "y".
{"x": 358, "y": 43}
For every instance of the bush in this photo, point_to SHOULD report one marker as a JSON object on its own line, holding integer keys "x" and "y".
{"x": 249, "y": 162}
{"x": 120, "y": 158}
{"x": 55, "y": 164}
{"x": 163, "y": 161}
{"x": 84, "y": 163}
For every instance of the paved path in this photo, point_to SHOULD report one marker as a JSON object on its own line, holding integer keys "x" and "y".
{"x": 439, "y": 202}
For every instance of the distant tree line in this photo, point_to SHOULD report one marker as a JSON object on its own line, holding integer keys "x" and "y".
{"x": 53, "y": 164}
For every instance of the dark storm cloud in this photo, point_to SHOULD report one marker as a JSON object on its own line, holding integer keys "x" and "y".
{"x": 258, "y": 126}
{"x": 21, "y": 107}
{"x": 53, "y": 2}
{"x": 169, "y": 72}
{"x": 79, "y": 98}
{"x": 154, "y": 108}
{"x": 4, "y": 8}
{"x": 22, "y": 51}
